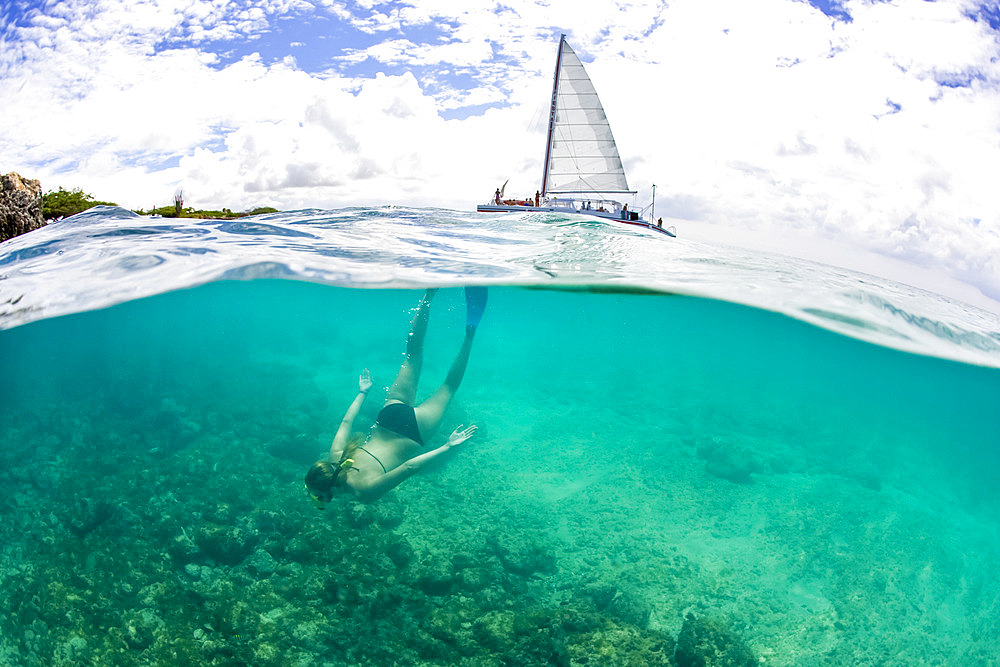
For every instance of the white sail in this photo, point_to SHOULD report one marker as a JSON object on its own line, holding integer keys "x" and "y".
{"x": 581, "y": 158}
{"x": 581, "y": 155}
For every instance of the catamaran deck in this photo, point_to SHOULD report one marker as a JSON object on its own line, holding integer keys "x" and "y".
{"x": 603, "y": 215}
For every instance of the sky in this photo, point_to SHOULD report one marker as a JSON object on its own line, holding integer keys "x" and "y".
{"x": 860, "y": 132}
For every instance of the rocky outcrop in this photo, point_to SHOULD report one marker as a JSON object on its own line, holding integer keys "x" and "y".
{"x": 708, "y": 642}
{"x": 20, "y": 205}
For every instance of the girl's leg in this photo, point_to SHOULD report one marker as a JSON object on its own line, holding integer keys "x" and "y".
{"x": 429, "y": 412}
{"x": 404, "y": 388}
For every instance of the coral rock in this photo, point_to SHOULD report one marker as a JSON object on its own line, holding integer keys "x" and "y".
{"x": 709, "y": 643}
{"x": 225, "y": 544}
{"x": 262, "y": 564}
{"x": 436, "y": 577}
{"x": 20, "y": 205}
{"x": 139, "y": 628}
{"x": 521, "y": 556}
{"x": 388, "y": 514}
{"x": 620, "y": 604}
{"x": 400, "y": 552}
{"x": 729, "y": 462}
{"x": 495, "y": 630}
{"x": 360, "y": 516}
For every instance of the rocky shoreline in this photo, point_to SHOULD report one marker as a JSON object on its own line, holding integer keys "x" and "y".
{"x": 24, "y": 207}
{"x": 20, "y": 205}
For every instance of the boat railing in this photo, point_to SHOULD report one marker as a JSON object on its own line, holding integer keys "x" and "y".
{"x": 509, "y": 202}
{"x": 555, "y": 202}
{"x": 603, "y": 207}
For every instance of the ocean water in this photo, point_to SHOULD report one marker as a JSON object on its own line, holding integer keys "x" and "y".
{"x": 682, "y": 449}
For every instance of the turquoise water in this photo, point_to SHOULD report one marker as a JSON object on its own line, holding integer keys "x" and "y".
{"x": 654, "y": 473}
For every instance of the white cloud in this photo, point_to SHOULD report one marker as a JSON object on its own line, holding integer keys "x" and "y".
{"x": 745, "y": 142}
{"x": 770, "y": 116}
{"x": 403, "y": 51}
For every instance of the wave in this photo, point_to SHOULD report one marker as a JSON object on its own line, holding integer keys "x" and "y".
{"x": 109, "y": 255}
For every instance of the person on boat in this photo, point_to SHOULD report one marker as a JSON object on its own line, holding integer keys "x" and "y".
{"x": 659, "y": 223}
{"x": 624, "y": 211}
{"x": 496, "y": 197}
{"x": 537, "y": 196}
{"x": 395, "y": 448}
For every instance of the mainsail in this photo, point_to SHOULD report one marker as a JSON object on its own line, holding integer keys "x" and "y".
{"x": 581, "y": 156}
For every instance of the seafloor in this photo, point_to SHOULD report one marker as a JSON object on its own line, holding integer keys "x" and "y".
{"x": 655, "y": 481}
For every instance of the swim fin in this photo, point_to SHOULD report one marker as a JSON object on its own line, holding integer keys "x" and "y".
{"x": 475, "y": 299}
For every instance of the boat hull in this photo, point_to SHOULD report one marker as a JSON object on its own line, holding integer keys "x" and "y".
{"x": 610, "y": 217}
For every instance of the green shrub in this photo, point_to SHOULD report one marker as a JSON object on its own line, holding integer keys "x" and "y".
{"x": 63, "y": 203}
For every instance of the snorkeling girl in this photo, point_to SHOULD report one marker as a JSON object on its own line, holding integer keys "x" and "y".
{"x": 395, "y": 447}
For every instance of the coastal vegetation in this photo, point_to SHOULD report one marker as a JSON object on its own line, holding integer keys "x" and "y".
{"x": 63, "y": 203}
{"x": 224, "y": 214}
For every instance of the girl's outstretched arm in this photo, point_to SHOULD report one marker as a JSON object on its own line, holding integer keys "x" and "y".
{"x": 344, "y": 431}
{"x": 394, "y": 477}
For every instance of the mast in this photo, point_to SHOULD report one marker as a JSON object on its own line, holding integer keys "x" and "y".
{"x": 552, "y": 116}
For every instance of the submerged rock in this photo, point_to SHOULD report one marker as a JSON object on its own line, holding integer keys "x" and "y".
{"x": 261, "y": 563}
{"x": 88, "y": 515}
{"x": 399, "y": 552}
{"x": 616, "y": 644}
{"x": 729, "y": 462}
{"x": 226, "y": 544}
{"x": 473, "y": 580}
{"x": 388, "y": 514}
{"x": 299, "y": 449}
{"x": 20, "y": 205}
{"x": 72, "y": 651}
{"x": 520, "y": 555}
{"x": 436, "y": 576}
{"x": 707, "y": 642}
{"x": 623, "y": 605}
{"x": 495, "y": 630}
{"x": 139, "y": 628}
{"x": 360, "y": 516}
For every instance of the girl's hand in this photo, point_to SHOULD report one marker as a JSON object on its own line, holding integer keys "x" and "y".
{"x": 365, "y": 381}
{"x": 460, "y": 435}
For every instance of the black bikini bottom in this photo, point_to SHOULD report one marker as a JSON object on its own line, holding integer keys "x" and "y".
{"x": 401, "y": 419}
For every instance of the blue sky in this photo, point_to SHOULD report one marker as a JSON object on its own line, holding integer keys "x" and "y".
{"x": 862, "y": 127}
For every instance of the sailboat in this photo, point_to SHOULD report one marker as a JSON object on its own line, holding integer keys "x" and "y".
{"x": 583, "y": 172}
